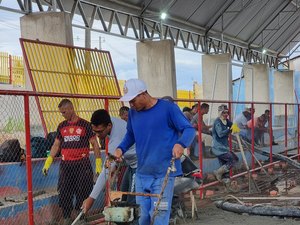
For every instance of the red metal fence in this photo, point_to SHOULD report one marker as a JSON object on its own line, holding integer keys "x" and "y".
{"x": 30, "y": 198}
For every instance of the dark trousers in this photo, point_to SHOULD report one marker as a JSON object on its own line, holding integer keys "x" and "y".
{"x": 229, "y": 159}
{"x": 75, "y": 180}
{"x": 128, "y": 185}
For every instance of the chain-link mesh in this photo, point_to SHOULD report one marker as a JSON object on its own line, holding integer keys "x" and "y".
{"x": 13, "y": 183}
{"x": 71, "y": 178}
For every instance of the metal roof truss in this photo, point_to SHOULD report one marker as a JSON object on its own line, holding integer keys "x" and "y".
{"x": 137, "y": 27}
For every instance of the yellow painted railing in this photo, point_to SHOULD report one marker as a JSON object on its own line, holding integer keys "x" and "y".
{"x": 11, "y": 70}
{"x": 71, "y": 70}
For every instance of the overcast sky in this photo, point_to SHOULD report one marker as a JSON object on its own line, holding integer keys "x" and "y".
{"x": 123, "y": 51}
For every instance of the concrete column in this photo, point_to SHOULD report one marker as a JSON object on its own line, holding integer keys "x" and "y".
{"x": 156, "y": 66}
{"x": 54, "y": 27}
{"x": 295, "y": 65}
{"x": 283, "y": 92}
{"x": 257, "y": 85}
{"x": 216, "y": 79}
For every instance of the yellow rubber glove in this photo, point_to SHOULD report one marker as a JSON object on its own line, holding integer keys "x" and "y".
{"x": 47, "y": 165}
{"x": 98, "y": 165}
{"x": 234, "y": 128}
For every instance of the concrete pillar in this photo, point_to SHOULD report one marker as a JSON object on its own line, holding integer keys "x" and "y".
{"x": 283, "y": 92}
{"x": 295, "y": 65}
{"x": 54, "y": 27}
{"x": 156, "y": 66}
{"x": 216, "y": 80}
{"x": 257, "y": 86}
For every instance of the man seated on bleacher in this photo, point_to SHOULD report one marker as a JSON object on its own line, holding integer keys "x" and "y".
{"x": 241, "y": 121}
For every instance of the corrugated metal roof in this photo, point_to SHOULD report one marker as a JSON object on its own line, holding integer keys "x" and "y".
{"x": 242, "y": 28}
{"x": 270, "y": 24}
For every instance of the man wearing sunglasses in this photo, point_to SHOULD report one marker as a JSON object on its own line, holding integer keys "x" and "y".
{"x": 115, "y": 128}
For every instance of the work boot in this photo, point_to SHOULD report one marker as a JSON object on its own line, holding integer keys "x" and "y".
{"x": 228, "y": 186}
{"x": 219, "y": 172}
{"x": 274, "y": 143}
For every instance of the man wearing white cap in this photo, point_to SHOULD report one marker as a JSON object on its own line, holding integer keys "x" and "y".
{"x": 241, "y": 120}
{"x": 161, "y": 132}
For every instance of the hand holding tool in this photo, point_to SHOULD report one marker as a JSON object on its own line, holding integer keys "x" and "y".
{"x": 98, "y": 165}
{"x": 235, "y": 129}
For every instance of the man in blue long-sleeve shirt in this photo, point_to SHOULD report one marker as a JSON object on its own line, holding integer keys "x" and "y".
{"x": 160, "y": 131}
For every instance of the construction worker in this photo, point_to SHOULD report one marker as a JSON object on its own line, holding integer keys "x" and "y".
{"x": 220, "y": 147}
{"x": 161, "y": 132}
{"x": 74, "y": 136}
{"x": 206, "y": 134}
{"x": 115, "y": 128}
{"x": 123, "y": 113}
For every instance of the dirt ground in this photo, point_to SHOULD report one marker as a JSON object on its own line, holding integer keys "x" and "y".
{"x": 211, "y": 215}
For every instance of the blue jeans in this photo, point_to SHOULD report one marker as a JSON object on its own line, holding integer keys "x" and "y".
{"x": 147, "y": 204}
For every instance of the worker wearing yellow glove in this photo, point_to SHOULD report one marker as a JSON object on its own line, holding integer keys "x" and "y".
{"x": 74, "y": 138}
{"x": 47, "y": 165}
{"x": 98, "y": 165}
{"x": 235, "y": 129}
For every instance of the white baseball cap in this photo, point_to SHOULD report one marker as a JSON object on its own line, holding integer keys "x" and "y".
{"x": 132, "y": 88}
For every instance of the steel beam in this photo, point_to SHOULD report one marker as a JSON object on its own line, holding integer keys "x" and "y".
{"x": 144, "y": 28}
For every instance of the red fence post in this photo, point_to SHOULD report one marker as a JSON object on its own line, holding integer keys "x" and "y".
{"x": 28, "y": 160}
{"x": 285, "y": 129}
{"x": 252, "y": 136}
{"x": 298, "y": 136}
{"x": 200, "y": 149}
{"x": 107, "y": 199}
{"x": 271, "y": 133}
{"x": 106, "y": 139}
{"x": 230, "y": 137}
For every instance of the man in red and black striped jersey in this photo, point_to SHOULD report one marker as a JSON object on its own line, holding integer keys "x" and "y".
{"x": 74, "y": 136}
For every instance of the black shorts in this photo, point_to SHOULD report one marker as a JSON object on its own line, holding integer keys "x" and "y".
{"x": 75, "y": 180}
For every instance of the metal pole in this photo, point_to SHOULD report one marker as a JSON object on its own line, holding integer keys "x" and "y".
{"x": 200, "y": 147}
{"x": 298, "y": 128}
{"x": 271, "y": 134}
{"x": 285, "y": 128}
{"x": 87, "y": 38}
{"x": 230, "y": 137}
{"x": 106, "y": 106}
{"x": 161, "y": 30}
{"x": 252, "y": 135}
{"x": 238, "y": 94}
{"x": 243, "y": 173}
{"x": 28, "y": 161}
{"x": 54, "y": 5}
